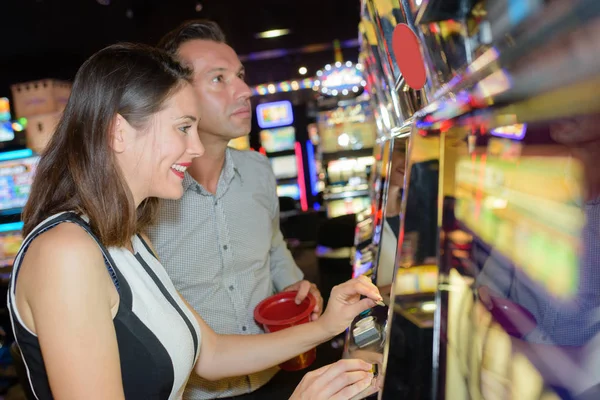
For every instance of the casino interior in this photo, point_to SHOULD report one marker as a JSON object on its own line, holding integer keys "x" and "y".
{"x": 445, "y": 149}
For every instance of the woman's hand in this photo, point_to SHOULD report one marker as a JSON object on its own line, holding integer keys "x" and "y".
{"x": 345, "y": 304}
{"x": 339, "y": 381}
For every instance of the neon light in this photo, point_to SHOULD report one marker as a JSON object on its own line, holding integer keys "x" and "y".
{"x": 13, "y": 226}
{"x": 11, "y": 155}
{"x": 283, "y": 86}
{"x": 310, "y": 156}
{"x": 301, "y": 178}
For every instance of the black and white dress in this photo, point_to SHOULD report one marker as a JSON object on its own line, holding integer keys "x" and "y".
{"x": 158, "y": 337}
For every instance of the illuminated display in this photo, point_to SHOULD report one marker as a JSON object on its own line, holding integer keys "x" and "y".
{"x": 291, "y": 190}
{"x": 10, "y": 242}
{"x": 498, "y": 200}
{"x": 4, "y": 109}
{"x": 16, "y": 177}
{"x": 280, "y": 139}
{"x": 516, "y": 131}
{"x": 241, "y": 143}
{"x": 284, "y": 167}
{"x": 272, "y": 115}
{"x": 336, "y": 208}
{"x": 7, "y": 132}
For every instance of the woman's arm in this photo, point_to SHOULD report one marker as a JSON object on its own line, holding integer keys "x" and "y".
{"x": 64, "y": 296}
{"x": 223, "y": 356}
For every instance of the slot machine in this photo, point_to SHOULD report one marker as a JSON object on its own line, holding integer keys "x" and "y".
{"x": 16, "y": 176}
{"x": 347, "y": 141}
{"x": 496, "y": 292}
{"x": 282, "y": 133}
{"x": 407, "y": 192}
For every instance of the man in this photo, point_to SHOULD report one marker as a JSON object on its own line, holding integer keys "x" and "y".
{"x": 221, "y": 243}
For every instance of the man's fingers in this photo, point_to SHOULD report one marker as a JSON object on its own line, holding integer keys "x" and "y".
{"x": 315, "y": 292}
{"x": 302, "y": 291}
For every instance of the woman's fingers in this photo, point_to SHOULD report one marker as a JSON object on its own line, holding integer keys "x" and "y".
{"x": 341, "y": 374}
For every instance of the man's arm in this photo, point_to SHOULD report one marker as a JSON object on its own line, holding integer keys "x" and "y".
{"x": 284, "y": 271}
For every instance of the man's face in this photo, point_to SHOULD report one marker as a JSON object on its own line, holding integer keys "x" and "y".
{"x": 223, "y": 96}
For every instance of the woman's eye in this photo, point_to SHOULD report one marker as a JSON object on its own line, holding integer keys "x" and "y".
{"x": 185, "y": 129}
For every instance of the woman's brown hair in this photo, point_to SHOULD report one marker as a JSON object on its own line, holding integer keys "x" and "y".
{"x": 78, "y": 170}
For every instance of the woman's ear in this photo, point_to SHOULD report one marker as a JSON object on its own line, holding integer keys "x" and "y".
{"x": 118, "y": 133}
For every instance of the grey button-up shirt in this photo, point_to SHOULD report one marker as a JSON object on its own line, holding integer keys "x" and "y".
{"x": 225, "y": 253}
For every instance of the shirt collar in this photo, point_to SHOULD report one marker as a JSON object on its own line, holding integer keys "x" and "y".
{"x": 227, "y": 174}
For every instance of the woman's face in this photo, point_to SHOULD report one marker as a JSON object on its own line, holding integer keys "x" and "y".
{"x": 154, "y": 159}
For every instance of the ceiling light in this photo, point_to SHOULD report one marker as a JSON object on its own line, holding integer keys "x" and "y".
{"x": 302, "y": 71}
{"x": 273, "y": 33}
{"x": 198, "y": 7}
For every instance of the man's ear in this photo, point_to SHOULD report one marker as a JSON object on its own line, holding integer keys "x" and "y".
{"x": 118, "y": 133}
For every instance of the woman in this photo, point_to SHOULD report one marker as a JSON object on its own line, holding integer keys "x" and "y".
{"x": 126, "y": 137}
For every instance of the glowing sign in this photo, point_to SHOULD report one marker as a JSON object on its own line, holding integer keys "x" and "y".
{"x": 272, "y": 115}
{"x": 340, "y": 79}
{"x": 516, "y": 131}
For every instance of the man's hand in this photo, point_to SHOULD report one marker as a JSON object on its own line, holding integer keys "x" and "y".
{"x": 303, "y": 288}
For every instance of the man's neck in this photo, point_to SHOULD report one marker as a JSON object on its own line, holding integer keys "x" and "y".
{"x": 206, "y": 170}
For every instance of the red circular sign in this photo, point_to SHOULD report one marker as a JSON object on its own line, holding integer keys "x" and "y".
{"x": 407, "y": 51}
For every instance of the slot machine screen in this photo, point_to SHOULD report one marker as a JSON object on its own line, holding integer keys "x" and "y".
{"x": 291, "y": 190}
{"x": 241, "y": 143}
{"x": 272, "y": 115}
{"x": 284, "y": 167}
{"x": 280, "y": 139}
{"x": 10, "y": 242}
{"x": 336, "y": 208}
{"x": 4, "y": 109}
{"x": 6, "y": 131}
{"x": 16, "y": 176}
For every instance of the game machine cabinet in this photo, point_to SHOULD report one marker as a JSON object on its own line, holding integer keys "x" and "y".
{"x": 519, "y": 290}
{"x": 409, "y": 220}
{"x": 347, "y": 133}
{"x": 386, "y": 120}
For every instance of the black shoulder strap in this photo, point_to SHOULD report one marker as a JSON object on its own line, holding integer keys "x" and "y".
{"x": 74, "y": 218}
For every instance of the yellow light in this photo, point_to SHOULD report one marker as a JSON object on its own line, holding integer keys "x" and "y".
{"x": 272, "y": 33}
{"x": 302, "y": 71}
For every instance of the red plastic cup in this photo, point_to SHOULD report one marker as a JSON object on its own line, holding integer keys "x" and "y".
{"x": 280, "y": 311}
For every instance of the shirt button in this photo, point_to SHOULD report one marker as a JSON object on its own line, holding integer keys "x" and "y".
{"x": 231, "y": 287}
{"x": 216, "y": 202}
{"x": 244, "y": 328}
{"x": 224, "y": 247}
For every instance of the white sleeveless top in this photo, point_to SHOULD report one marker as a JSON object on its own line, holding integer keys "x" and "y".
{"x": 158, "y": 336}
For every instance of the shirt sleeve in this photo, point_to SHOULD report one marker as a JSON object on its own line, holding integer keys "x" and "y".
{"x": 284, "y": 270}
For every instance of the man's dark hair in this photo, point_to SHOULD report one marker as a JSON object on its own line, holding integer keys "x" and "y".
{"x": 202, "y": 29}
